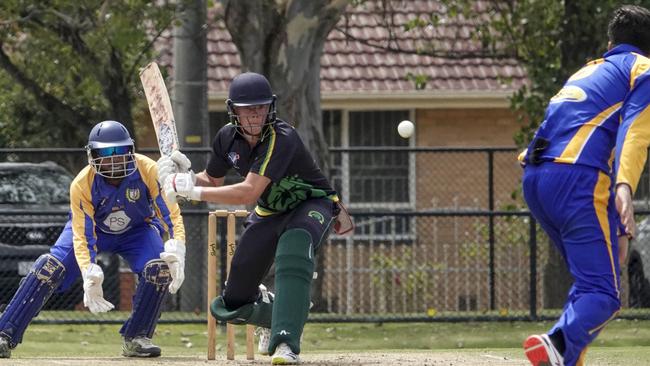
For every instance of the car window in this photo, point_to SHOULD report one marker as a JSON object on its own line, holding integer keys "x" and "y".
{"x": 42, "y": 186}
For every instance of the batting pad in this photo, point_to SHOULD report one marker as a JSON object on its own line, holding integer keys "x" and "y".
{"x": 294, "y": 268}
{"x": 34, "y": 291}
{"x": 150, "y": 293}
{"x": 258, "y": 313}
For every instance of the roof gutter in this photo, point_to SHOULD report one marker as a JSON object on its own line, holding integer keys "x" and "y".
{"x": 399, "y": 100}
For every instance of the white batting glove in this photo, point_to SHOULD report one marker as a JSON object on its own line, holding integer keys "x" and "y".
{"x": 93, "y": 292}
{"x": 182, "y": 185}
{"x": 177, "y": 162}
{"x": 174, "y": 256}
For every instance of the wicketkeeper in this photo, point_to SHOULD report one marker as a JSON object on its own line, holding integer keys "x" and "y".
{"x": 296, "y": 207}
{"x": 116, "y": 206}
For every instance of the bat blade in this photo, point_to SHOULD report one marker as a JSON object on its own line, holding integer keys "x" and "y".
{"x": 160, "y": 108}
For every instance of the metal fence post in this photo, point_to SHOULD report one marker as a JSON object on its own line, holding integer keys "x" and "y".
{"x": 491, "y": 225}
{"x": 533, "y": 267}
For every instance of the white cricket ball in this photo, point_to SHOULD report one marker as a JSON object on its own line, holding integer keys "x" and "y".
{"x": 405, "y": 129}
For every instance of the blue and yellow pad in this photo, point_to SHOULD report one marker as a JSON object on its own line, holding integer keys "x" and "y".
{"x": 147, "y": 301}
{"x": 35, "y": 289}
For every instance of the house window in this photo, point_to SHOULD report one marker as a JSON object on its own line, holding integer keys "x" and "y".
{"x": 372, "y": 180}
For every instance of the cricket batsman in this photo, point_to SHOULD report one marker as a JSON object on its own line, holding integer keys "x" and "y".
{"x": 296, "y": 207}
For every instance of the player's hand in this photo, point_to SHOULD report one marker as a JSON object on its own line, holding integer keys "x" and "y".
{"x": 625, "y": 208}
{"x": 174, "y": 256}
{"x": 93, "y": 292}
{"x": 182, "y": 184}
{"x": 177, "y": 162}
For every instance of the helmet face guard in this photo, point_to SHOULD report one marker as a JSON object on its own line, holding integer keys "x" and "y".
{"x": 110, "y": 150}
{"x": 269, "y": 119}
{"x": 112, "y": 162}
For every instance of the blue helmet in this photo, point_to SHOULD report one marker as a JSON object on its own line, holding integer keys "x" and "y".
{"x": 250, "y": 89}
{"x": 110, "y": 150}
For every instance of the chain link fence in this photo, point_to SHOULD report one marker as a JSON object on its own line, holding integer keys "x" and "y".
{"x": 441, "y": 235}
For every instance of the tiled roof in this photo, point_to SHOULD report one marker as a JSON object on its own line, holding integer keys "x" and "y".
{"x": 354, "y": 61}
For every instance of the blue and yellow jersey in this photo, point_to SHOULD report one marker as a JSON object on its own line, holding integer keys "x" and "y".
{"x": 602, "y": 106}
{"x": 281, "y": 156}
{"x": 136, "y": 201}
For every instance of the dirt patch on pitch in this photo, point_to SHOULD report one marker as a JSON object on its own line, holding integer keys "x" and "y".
{"x": 432, "y": 358}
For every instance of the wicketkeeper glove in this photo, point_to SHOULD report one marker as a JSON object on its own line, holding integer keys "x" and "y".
{"x": 182, "y": 185}
{"x": 93, "y": 292}
{"x": 174, "y": 256}
{"x": 177, "y": 162}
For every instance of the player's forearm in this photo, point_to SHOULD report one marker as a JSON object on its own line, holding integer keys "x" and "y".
{"x": 235, "y": 194}
{"x": 204, "y": 180}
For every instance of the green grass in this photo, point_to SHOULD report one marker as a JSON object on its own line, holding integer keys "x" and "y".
{"x": 619, "y": 338}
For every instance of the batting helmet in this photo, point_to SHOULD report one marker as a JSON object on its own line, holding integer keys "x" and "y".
{"x": 250, "y": 89}
{"x": 110, "y": 150}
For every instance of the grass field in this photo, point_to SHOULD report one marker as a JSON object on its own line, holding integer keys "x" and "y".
{"x": 498, "y": 343}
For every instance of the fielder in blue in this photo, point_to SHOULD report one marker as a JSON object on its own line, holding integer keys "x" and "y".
{"x": 581, "y": 170}
{"x": 116, "y": 206}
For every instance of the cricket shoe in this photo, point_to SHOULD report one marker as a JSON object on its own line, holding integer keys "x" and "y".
{"x": 264, "y": 335}
{"x": 283, "y": 355}
{"x": 5, "y": 348}
{"x": 541, "y": 352}
{"x": 140, "y": 347}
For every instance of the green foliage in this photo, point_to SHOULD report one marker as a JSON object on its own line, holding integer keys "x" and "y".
{"x": 552, "y": 40}
{"x": 419, "y": 80}
{"x": 67, "y": 64}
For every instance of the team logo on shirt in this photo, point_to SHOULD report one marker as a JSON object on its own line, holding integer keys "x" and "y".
{"x": 234, "y": 158}
{"x": 570, "y": 93}
{"x": 317, "y": 216}
{"x": 117, "y": 222}
{"x": 132, "y": 194}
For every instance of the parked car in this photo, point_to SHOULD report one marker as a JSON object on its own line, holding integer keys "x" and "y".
{"x": 34, "y": 201}
{"x": 638, "y": 267}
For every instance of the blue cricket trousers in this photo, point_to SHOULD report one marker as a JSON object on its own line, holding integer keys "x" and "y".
{"x": 137, "y": 246}
{"x": 574, "y": 204}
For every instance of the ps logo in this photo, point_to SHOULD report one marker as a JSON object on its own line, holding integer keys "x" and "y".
{"x": 117, "y": 221}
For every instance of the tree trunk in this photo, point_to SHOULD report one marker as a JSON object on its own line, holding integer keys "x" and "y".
{"x": 284, "y": 41}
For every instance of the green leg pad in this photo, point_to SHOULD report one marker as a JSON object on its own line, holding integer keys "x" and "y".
{"x": 258, "y": 314}
{"x": 294, "y": 268}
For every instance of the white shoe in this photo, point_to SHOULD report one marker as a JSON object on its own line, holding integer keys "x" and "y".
{"x": 264, "y": 335}
{"x": 283, "y": 355}
{"x": 140, "y": 347}
{"x": 540, "y": 351}
{"x": 5, "y": 348}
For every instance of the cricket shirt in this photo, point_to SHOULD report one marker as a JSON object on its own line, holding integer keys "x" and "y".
{"x": 602, "y": 106}
{"x": 137, "y": 201}
{"x": 280, "y": 156}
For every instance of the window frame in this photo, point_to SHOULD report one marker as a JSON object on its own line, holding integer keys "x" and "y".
{"x": 410, "y": 205}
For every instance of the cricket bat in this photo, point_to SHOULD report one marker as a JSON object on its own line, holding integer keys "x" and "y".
{"x": 160, "y": 107}
{"x": 162, "y": 115}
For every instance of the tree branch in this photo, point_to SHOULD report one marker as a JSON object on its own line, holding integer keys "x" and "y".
{"x": 47, "y": 100}
{"x": 443, "y": 54}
